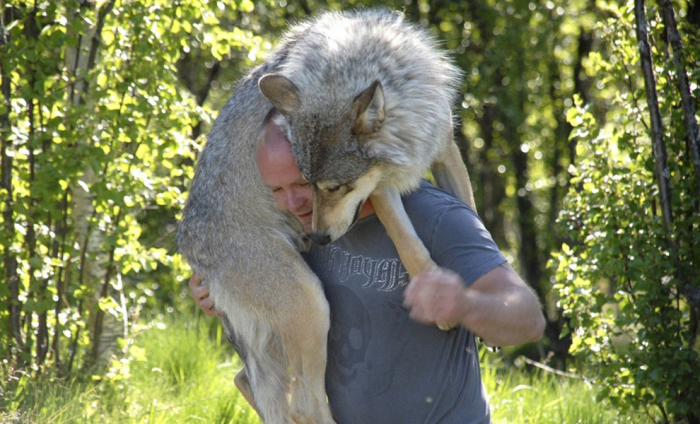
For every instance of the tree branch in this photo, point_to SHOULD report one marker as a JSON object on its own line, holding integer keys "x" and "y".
{"x": 659, "y": 146}
{"x": 691, "y": 122}
{"x": 692, "y": 294}
{"x": 96, "y": 35}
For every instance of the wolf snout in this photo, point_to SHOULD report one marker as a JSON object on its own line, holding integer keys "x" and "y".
{"x": 321, "y": 238}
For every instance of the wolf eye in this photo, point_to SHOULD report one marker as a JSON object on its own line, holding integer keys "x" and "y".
{"x": 333, "y": 189}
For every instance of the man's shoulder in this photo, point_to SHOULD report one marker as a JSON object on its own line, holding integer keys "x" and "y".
{"x": 453, "y": 233}
{"x": 430, "y": 200}
{"x": 436, "y": 213}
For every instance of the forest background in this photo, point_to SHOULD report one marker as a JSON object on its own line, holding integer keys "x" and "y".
{"x": 578, "y": 123}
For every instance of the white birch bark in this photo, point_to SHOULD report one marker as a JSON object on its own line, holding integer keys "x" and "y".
{"x": 104, "y": 328}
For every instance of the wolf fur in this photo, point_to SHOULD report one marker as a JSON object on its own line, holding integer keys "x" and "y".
{"x": 366, "y": 102}
{"x": 373, "y": 95}
{"x": 247, "y": 250}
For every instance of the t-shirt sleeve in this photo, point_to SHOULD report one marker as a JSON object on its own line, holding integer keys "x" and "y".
{"x": 460, "y": 242}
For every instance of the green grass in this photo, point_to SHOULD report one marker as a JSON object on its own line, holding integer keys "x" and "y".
{"x": 179, "y": 372}
{"x": 524, "y": 396}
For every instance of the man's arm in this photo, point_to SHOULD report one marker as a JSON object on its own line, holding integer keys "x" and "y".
{"x": 498, "y": 307}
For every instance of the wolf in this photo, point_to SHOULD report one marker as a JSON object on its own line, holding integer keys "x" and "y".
{"x": 366, "y": 93}
{"x": 247, "y": 250}
{"x": 366, "y": 101}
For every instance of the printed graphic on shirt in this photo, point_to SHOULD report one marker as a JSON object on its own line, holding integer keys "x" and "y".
{"x": 336, "y": 264}
{"x": 349, "y": 335}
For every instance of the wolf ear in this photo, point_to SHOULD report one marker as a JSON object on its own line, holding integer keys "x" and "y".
{"x": 369, "y": 110}
{"x": 282, "y": 92}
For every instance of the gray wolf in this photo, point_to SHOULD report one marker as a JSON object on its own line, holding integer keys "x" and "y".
{"x": 247, "y": 250}
{"x": 366, "y": 103}
{"x": 356, "y": 80}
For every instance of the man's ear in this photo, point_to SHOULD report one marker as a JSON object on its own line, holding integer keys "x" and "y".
{"x": 282, "y": 92}
{"x": 369, "y": 110}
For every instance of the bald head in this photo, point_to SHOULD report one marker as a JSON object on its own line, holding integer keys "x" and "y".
{"x": 281, "y": 174}
{"x": 273, "y": 148}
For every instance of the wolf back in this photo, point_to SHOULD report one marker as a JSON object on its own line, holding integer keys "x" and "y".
{"x": 335, "y": 57}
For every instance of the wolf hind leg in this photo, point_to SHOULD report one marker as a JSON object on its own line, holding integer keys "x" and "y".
{"x": 241, "y": 379}
{"x": 451, "y": 173}
{"x": 306, "y": 346}
{"x": 266, "y": 375}
{"x": 308, "y": 394}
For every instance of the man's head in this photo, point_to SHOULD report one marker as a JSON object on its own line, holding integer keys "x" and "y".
{"x": 335, "y": 141}
{"x": 281, "y": 174}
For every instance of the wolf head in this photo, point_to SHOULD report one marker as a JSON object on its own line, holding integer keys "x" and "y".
{"x": 333, "y": 147}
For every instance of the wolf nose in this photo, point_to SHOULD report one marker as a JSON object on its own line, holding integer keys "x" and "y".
{"x": 321, "y": 239}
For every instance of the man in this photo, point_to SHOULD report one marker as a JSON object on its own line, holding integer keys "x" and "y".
{"x": 384, "y": 364}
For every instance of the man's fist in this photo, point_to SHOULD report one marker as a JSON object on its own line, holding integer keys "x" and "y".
{"x": 436, "y": 297}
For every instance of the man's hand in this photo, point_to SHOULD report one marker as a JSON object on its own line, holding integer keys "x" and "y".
{"x": 498, "y": 307}
{"x": 436, "y": 296}
{"x": 200, "y": 293}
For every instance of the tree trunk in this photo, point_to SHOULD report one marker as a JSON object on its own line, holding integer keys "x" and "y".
{"x": 58, "y": 250}
{"x": 529, "y": 252}
{"x": 103, "y": 328}
{"x": 694, "y": 12}
{"x": 691, "y": 293}
{"x": 564, "y": 145}
{"x": 491, "y": 191}
{"x": 6, "y": 166}
{"x": 691, "y": 122}
{"x": 657, "y": 137}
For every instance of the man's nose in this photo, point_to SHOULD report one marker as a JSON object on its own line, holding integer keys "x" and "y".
{"x": 294, "y": 200}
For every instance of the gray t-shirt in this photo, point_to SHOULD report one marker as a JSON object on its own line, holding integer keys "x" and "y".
{"x": 382, "y": 366}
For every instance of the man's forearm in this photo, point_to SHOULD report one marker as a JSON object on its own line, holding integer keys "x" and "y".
{"x": 504, "y": 318}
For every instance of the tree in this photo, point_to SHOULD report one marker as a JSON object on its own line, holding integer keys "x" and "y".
{"x": 626, "y": 278}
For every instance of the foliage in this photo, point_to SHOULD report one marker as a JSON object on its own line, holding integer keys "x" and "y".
{"x": 623, "y": 276}
{"x": 100, "y": 140}
{"x": 96, "y": 141}
{"x": 519, "y": 78}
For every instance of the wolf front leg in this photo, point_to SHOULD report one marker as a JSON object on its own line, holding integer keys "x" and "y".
{"x": 390, "y": 211}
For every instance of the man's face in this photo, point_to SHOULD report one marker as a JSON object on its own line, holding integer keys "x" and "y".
{"x": 281, "y": 175}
